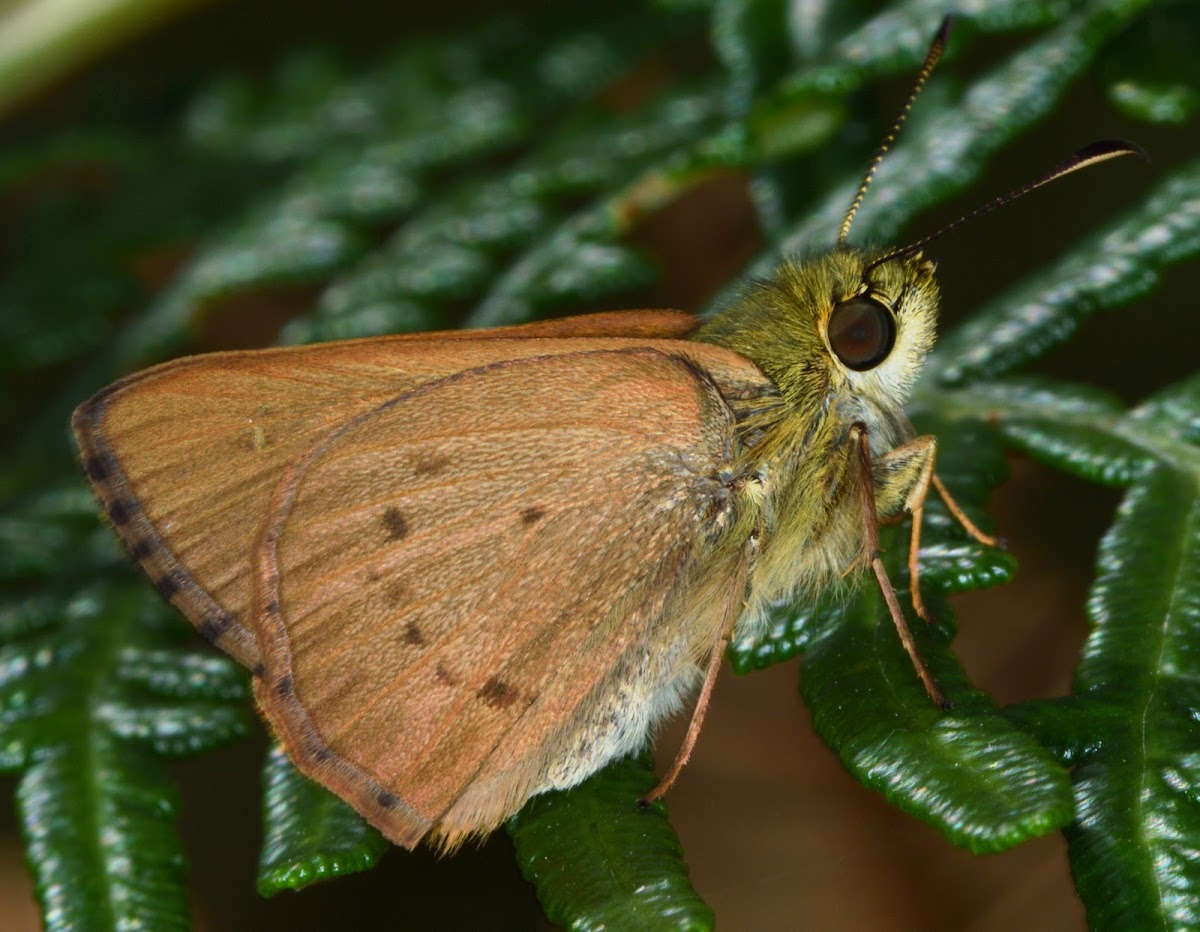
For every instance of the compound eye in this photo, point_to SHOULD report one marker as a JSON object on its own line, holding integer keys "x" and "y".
{"x": 862, "y": 333}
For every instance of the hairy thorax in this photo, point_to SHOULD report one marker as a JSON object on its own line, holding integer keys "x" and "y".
{"x": 802, "y": 501}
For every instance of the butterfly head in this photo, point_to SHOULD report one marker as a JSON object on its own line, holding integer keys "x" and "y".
{"x": 837, "y": 327}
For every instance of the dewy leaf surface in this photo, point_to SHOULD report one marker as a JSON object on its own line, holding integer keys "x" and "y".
{"x": 1136, "y": 786}
{"x": 1130, "y": 728}
{"x": 1137, "y": 791}
{"x": 1150, "y": 70}
{"x": 969, "y": 772}
{"x": 309, "y": 834}
{"x": 601, "y": 861}
{"x": 89, "y": 706}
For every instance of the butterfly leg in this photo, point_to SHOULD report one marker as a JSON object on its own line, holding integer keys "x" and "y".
{"x": 896, "y": 470}
{"x": 905, "y": 475}
{"x": 961, "y": 516}
{"x": 902, "y": 478}
{"x": 732, "y": 612}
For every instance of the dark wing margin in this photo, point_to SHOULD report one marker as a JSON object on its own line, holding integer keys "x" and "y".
{"x": 141, "y": 537}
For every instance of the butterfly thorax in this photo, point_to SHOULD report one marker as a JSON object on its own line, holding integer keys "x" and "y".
{"x": 800, "y": 500}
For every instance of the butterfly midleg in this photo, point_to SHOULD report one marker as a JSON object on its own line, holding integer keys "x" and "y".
{"x": 961, "y": 516}
{"x": 734, "y": 607}
{"x": 907, "y": 473}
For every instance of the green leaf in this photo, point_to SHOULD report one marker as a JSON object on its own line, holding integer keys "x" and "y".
{"x": 1059, "y": 723}
{"x": 581, "y": 259}
{"x": 1152, "y": 69}
{"x": 1130, "y": 728}
{"x": 1137, "y": 790}
{"x": 791, "y": 627}
{"x": 86, "y": 711}
{"x": 969, "y": 772}
{"x": 309, "y": 834}
{"x": 1109, "y": 270}
{"x": 601, "y": 861}
{"x": 897, "y": 38}
{"x": 99, "y": 835}
{"x": 760, "y": 41}
{"x": 1096, "y": 455}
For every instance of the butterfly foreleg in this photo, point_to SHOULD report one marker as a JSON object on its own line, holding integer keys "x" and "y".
{"x": 902, "y": 478}
{"x": 901, "y": 470}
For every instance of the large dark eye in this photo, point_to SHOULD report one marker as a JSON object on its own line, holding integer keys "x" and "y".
{"x": 862, "y": 333}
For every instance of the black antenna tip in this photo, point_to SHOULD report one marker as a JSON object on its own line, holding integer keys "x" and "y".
{"x": 943, "y": 33}
{"x": 1093, "y": 154}
{"x": 1104, "y": 149}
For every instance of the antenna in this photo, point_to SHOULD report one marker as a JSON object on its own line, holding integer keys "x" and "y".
{"x": 1089, "y": 155}
{"x": 931, "y": 59}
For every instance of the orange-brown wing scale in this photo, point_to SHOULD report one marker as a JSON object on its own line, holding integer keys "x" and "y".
{"x": 184, "y": 456}
{"x": 472, "y": 592}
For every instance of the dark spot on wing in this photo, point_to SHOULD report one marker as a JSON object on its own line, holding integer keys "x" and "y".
{"x": 97, "y": 468}
{"x": 444, "y": 676}
{"x": 430, "y": 465}
{"x": 320, "y": 753}
{"x": 212, "y": 628}
{"x": 260, "y": 670}
{"x": 398, "y": 593}
{"x": 532, "y": 515}
{"x": 273, "y": 607}
{"x": 394, "y": 524}
{"x": 387, "y": 800}
{"x": 120, "y": 511}
{"x": 167, "y": 586}
{"x": 497, "y": 693}
{"x": 286, "y": 687}
{"x": 141, "y": 549}
{"x": 413, "y": 635}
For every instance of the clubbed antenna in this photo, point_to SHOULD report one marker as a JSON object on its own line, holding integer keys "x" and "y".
{"x": 1089, "y": 155}
{"x": 931, "y": 59}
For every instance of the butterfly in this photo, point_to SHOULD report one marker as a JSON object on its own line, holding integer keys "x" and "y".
{"x": 469, "y": 567}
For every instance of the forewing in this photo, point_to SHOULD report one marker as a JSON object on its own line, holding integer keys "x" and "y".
{"x": 462, "y": 565}
{"x": 184, "y": 456}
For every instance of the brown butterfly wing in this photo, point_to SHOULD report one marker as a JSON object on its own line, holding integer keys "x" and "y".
{"x": 461, "y": 568}
{"x": 184, "y": 456}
